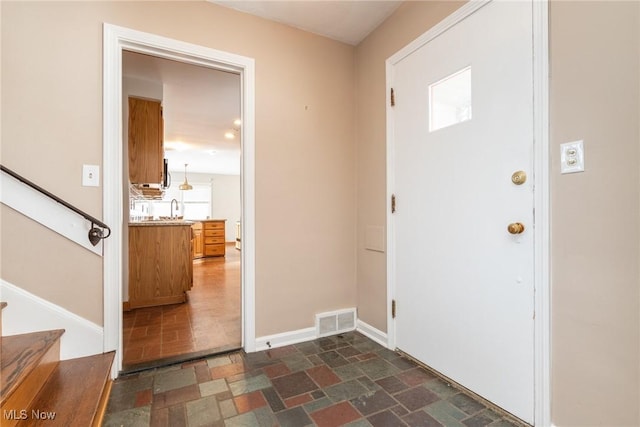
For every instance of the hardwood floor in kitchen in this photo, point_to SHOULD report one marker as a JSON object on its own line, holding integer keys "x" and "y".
{"x": 208, "y": 323}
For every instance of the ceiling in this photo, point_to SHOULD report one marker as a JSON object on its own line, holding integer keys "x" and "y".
{"x": 346, "y": 21}
{"x": 200, "y": 104}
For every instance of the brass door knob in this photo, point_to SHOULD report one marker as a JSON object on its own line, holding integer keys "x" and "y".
{"x": 515, "y": 228}
{"x": 519, "y": 177}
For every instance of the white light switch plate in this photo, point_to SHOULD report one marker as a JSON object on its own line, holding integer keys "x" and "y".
{"x": 572, "y": 157}
{"x": 90, "y": 175}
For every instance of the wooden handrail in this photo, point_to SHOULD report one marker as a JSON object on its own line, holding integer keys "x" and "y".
{"x": 95, "y": 234}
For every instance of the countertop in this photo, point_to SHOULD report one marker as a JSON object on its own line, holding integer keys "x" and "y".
{"x": 160, "y": 223}
{"x": 164, "y": 222}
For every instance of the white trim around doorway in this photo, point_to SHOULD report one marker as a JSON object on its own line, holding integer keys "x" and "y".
{"x": 542, "y": 303}
{"x": 117, "y": 39}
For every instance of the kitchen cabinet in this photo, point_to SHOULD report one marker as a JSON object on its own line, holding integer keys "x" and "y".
{"x": 146, "y": 146}
{"x": 238, "y": 235}
{"x": 214, "y": 237}
{"x": 197, "y": 240}
{"x": 160, "y": 263}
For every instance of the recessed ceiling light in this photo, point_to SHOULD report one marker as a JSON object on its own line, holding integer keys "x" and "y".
{"x": 237, "y": 122}
{"x": 175, "y": 145}
{"x": 229, "y": 135}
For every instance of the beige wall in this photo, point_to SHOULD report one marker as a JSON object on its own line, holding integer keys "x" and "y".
{"x": 305, "y": 175}
{"x": 595, "y": 50}
{"x": 408, "y": 22}
{"x": 595, "y": 215}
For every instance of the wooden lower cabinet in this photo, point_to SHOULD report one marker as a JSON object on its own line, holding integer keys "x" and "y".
{"x": 214, "y": 237}
{"x": 198, "y": 240}
{"x": 160, "y": 264}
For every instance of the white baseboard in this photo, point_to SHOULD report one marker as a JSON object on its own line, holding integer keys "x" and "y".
{"x": 26, "y": 313}
{"x": 309, "y": 334}
{"x": 285, "y": 338}
{"x": 372, "y": 333}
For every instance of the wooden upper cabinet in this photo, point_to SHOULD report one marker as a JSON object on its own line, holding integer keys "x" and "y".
{"x": 146, "y": 146}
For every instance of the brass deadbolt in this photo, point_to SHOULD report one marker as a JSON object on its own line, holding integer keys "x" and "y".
{"x": 519, "y": 177}
{"x": 515, "y": 228}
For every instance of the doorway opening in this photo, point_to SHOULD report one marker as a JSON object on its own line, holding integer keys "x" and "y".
{"x": 117, "y": 210}
{"x": 184, "y": 178}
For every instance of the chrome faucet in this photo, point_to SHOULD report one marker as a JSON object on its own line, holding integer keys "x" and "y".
{"x": 177, "y": 207}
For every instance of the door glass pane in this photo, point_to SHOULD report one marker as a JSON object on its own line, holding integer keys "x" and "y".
{"x": 450, "y": 100}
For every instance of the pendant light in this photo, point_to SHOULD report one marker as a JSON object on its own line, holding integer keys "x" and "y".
{"x": 185, "y": 185}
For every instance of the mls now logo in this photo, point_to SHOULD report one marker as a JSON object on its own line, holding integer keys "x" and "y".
{"x": 14, "y": 414}
{"x": 42, "y": 415}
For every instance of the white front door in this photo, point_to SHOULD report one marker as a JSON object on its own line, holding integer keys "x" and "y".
{"x": 464, "y": 283}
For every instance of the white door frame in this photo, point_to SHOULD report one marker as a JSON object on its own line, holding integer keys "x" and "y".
{"x": 542, "y": 303}
{"x": 116, "y": 39}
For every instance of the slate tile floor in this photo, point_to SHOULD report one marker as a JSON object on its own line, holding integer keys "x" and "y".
{"x": 341, "y": 380}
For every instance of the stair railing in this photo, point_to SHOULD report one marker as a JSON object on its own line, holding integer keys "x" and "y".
{"x": 97, "y": 231}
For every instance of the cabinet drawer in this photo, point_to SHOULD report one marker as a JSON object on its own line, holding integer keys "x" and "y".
{"x": 214, "y": 233}
{"x": 213, "y": 240}
{"x": 213, "y": 250}
{"x": 214, "y": 225}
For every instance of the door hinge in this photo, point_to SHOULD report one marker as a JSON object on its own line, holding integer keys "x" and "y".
{"x": 393, "y": 98}
{"x": 393, "y": 203}
{"x": 393, "y": 309}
